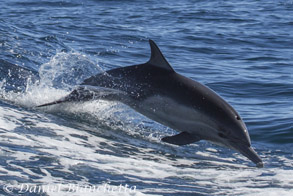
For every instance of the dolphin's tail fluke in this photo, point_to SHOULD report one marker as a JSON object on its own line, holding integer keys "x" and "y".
{"x": 86, "y": 93}
{"x": 52, "y": 103}
{"x": 73, "y": 96}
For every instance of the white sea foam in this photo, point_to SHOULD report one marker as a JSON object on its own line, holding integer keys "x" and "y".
{"x": 72, "y": 148}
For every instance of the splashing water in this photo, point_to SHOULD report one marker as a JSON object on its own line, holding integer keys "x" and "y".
{"x": 56, "y": 79}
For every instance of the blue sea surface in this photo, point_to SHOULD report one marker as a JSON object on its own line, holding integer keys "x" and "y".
{"x": 243, "y": 50}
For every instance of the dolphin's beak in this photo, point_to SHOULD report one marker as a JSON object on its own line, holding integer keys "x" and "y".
{"x": 249, "y": 152}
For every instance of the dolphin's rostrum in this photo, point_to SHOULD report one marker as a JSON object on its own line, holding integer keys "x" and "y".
{"x": 155, "y": 90}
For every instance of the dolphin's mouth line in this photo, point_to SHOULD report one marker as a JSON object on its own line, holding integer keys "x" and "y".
{"x": 248, "y": 152}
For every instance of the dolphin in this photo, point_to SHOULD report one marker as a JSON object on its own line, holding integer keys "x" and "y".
{"x": 157, "y": 91}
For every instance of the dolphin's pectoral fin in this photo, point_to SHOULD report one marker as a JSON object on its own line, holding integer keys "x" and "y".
{"x": 182, "y": 138}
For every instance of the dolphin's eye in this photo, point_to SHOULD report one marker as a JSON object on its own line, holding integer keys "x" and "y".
{"x": 238, "y": 117}
{"x": 222, "y": 135}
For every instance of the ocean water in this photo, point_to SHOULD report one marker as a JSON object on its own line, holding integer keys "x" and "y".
{"x": 241, "y": 50}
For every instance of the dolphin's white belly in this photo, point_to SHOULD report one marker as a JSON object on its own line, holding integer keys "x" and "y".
{"x": 175, "y": 115}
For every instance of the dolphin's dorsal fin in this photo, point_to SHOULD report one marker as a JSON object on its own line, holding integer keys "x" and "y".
{"x": 157, "y": 59}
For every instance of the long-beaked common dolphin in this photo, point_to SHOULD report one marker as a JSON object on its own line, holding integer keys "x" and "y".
{"x": 155, "y": 90}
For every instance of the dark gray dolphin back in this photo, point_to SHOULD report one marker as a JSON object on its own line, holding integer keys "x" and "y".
{"x": 138, "y": 81}
{"x": 157, "y": 77}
